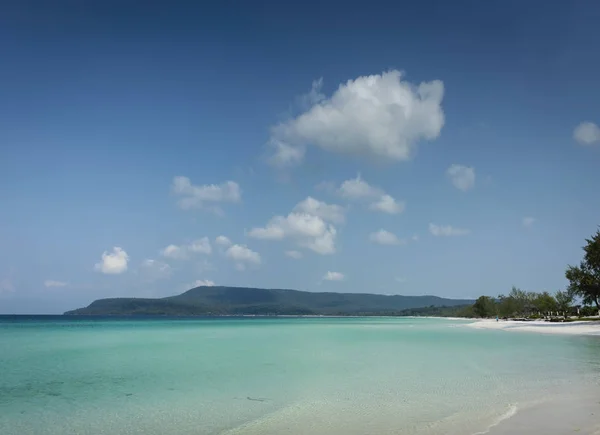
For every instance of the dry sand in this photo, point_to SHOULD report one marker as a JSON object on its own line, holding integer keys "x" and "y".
{"x": 572, "y": 328}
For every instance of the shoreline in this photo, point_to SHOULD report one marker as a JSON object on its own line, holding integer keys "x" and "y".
{"x": 567, "y": 328}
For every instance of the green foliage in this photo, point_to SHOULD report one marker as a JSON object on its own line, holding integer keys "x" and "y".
{"x": 584, "y": 280}
{"x": 544, "y": 302}
{"x": 484, "y": 306}
{"x": 564, "y": 300}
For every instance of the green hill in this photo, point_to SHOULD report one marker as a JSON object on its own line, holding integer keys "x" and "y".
{"x": 241, "y": 300}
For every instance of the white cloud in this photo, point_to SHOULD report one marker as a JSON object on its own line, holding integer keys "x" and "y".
{"x": 463, "y": 177}
{"x": 358, "y": 189}
{"x": 201, "y": 246}
{"x": 334, "y": 276}
{"x": 415, "y": 238}
{"x": 400, "y": 279}
{"x": 223, "y": 241}
{"x": 175, "y": 252}
{"x": 204, "y": 197}
{"x": 202, "y": 283}
{"x": 294, "y": 254}
{"x": 306, "y": 230}
{"x": 153, "y": 270}
{"x": 329, "y": 212}
{"x": 181, "y": 252}
{"x": 113, "y": 263}
{"x": 378, "y": 115}
{"x": 384, "y": 237}
{"x": 447, "y": 230}
{"x": 387, "y": 204}
{"x": 308, "y": 226}
{"x": 528, "y": 221}
{"x": 587, "y": 133}
{"x": 53, "y": 283}
{"x": 243, "y": 256}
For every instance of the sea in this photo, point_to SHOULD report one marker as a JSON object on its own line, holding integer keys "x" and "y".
{"x": 64, "y": 375}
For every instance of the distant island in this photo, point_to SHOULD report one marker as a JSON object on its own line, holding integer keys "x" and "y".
{"x": 220, "y": 301}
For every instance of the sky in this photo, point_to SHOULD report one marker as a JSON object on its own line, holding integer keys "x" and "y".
{"x": 431, "y": 147}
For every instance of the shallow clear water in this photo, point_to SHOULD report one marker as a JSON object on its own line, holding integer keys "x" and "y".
{"x": 278, "y": 376}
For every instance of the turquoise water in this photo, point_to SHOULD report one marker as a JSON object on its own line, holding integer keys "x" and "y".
{"x": 279, "y": 376}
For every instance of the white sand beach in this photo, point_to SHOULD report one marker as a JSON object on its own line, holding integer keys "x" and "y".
{"x": 569, "y": 328}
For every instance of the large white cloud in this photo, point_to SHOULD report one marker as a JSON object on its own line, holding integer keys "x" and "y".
{"x": 587, "y": 133}
{"x": 379, "y": 115}
{"x": 205, "y": 196}
{"x": 334, "y": 276}
{"x": 447, "y": 230}
{"x": 310, "y": 229}
{"x": 462, "y": 177}
{"x": 384, "y": 237}
{"x": 243, "y": 256}
{"x": 113, "y": 263}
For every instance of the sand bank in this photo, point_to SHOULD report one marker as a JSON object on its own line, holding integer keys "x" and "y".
{"x": 572, "y": 328}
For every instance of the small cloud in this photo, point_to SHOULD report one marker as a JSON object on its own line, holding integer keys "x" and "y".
{"x": 175, "y": 252}
{"x": 357, "y": 189}
{"x": 587, "y": 133}
{"x": 200, "y": 246}
{"x": 243, "y": 256}
{"x": 462, "y": 177}
{"x": 334, "y": 276}
{"x": 52, "y": 283}
{"x": 400, "y": 279}
{"x": 528, "y": 221}
{"x": 415, "y": 238}
{"x": 223, "y": 241}
{"x": 387, "y": 204}
{"x": 113, "y": 263}
{"x": 384, "y": 237}
{"x": 205, "y": 196}
{"x": 447, "y": 230}
{"x": 328, "y": 212}
{"x": 308, "y": 226}
{"x": 202, "y": 283}
{"x": 294, "y": 254}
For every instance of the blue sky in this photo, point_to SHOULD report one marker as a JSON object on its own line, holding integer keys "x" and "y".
{"x": 447, "y": 148}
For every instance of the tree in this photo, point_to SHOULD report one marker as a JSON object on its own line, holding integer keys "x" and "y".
{"x": 544, "y": 302}
{"x": 584, "y": 280}
{"x": 563, "y": 301}
{"x": 484, "y": 307}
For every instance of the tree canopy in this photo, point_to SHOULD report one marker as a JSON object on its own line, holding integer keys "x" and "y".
{"x": 584, "y": 280}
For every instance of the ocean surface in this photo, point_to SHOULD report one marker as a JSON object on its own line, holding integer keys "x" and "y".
{"x": 279, "y": 376}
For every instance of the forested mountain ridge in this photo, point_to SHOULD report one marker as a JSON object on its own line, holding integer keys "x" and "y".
{"x": 220, "y": 300}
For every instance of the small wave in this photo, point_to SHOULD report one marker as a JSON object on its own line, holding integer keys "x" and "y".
{"x": 512, "y": 410}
